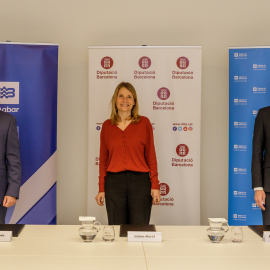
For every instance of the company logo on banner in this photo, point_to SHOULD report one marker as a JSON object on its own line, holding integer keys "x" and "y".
{"x": 255, "y": 207}
{"x": 240, "y": 170}
{"x": 240, "y": 147}
{"x": 239, "y": 217}
{"x": 164, "y": 191}
{"x": 144, "y": 63}
{"x": 240, "y": 79}
{"x": 240, "y": 124}
{"x": 240, "y": 101}
{"x": 163, "y": 94}
{"x": 182, "y": 150}
{"x": 259, "y": 67}
{"x": 259, "y": 90}
{"x": 240, "y": 194}
{"x": 182, "y": 63}
{"x": 240, "y": 56}
{"x": 9, "y": 94}
{"x": 106, "y": 63}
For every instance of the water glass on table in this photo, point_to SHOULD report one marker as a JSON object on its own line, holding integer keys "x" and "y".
{"x": 108, "y": 233}
{"x": 237, "y": 234}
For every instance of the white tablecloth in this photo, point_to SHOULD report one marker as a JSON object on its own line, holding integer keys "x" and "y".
{"x": 184, "y": 247}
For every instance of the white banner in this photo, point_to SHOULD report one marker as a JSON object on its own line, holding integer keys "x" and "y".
{"x": 168, "y": 85}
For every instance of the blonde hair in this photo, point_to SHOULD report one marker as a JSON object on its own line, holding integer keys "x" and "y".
{"x": 135, "y": 117}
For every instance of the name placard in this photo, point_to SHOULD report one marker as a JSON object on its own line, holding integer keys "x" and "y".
{"x": 266, "y": 236}
{"x": 144, "y": 236}
{"x": 5, "y": 236}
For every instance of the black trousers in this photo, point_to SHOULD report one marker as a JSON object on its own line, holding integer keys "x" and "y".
{"x": 3, "y": 211}
{"x": 266, "y": 213}
{"x": 128, "y": 197}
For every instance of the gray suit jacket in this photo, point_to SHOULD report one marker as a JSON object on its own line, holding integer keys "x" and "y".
{"x": 10, "y": 164}
{"x": 260, "y": 166}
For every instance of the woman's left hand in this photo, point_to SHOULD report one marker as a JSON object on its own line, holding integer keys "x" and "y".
{"x": 155, "y": 196}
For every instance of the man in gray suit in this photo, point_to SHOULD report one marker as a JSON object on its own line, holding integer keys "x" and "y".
{"x": 261, "y": 162}
{"x": 10, "y": 164}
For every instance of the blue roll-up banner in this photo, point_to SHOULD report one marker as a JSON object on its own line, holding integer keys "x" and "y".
{"x": 249, "y": 91}
{"x": 28, "y": 90}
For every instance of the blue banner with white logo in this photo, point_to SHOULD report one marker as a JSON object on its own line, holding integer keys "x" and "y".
{"x": 28, "y": 88}
{"x": 249, "y": 91}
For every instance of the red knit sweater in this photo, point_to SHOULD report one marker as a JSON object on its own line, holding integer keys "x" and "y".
{"x": 132, "y": 149}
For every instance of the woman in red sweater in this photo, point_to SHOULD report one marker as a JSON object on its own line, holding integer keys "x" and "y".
{"x": 128, "y": 177}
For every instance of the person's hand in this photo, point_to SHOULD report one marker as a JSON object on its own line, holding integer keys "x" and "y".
{"x": 155, "y": 196}
{"x": 100, "y": 198}
{"x": 259, "y": 198}
{"x": 9, "y": 201}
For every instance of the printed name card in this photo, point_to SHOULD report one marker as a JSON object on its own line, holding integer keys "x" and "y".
{"x": 144, "y": 236}
{"x": 266, "y": 236}
{"x": 5, "y": 236}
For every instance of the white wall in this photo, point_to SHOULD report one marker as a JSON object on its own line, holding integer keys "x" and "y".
{"x": 77, "y": 24}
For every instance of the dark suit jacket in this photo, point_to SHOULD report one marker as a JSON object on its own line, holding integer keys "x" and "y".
{"x": 10, "y": 164}
{"x": 260, "y": 167}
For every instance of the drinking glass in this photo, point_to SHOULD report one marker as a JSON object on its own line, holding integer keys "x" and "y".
{"x": 108, "y": 233}
{"x": 237, "y": 234}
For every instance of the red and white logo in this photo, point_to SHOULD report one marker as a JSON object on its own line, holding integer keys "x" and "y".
{"x": 182, "y": 62}
{"x": 164, "y": 189}
{"x": 106, "y": 62}
{"x": 163, "y": 93}
{"x": 145, "y": 62}
{"x": 182, "y": 150}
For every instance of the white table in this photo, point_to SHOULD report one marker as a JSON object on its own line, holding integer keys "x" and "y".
{"x": 184, "y": 247}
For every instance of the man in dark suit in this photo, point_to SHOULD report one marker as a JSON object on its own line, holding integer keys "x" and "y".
{"x": 10, "y": 164}
{"x": 261, "y": 162}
